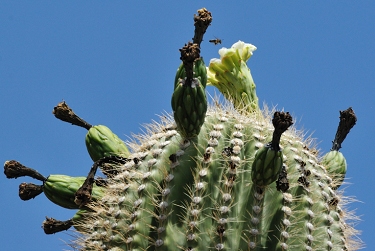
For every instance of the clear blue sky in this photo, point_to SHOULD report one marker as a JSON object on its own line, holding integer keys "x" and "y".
{"x": 114, "y": 62}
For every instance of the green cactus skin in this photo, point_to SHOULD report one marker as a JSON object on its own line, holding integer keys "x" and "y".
{"x": 60, "y": 189}
{"x": 102, "y": 142}
{"x": 336, "y": 167}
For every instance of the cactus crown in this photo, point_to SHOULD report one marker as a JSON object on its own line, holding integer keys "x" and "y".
{"x": 207, "y": 177}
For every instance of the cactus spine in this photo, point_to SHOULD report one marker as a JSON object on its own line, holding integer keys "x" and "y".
{"x": 217, "y": 177}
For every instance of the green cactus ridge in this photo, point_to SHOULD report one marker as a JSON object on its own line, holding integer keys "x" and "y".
{"x": 199, "y": 194}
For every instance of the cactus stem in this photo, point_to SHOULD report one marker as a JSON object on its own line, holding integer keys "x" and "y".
{"x": 29, "y": 191}
{"x": 83, "y": 194}
{"x": 63, "y": 112}
{"x": 189, "y": 53}
{"x": 201, "y": 23}
{"x": 347, "y": 120}
{"x": 52, "y": 226}
{"x": 281, "y": 121}
{"x": 14, "y": 169}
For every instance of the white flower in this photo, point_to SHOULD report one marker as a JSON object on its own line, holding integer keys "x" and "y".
{"x": 244, "y": 50}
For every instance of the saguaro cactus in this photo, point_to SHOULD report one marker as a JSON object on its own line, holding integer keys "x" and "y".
{"x": 222, "y": 177}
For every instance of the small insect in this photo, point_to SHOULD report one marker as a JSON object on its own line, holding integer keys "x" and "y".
{"x": 215, "y": 41}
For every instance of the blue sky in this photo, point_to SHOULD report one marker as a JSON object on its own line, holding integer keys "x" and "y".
{"x": 114, "y": 62}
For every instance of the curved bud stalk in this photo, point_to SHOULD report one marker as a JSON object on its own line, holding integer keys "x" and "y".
{"x": 83, "y": 195}
{"x": 232, "y": 77}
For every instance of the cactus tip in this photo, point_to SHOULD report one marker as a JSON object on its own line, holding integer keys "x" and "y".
{"x": 52, "y": 226}
{"x": 201, "y": 23}
{"x": 281, "y": 121}
{"x": 14, "y": 169}
{"x": 348, "y": 119}
{"x": 63, "y": 112}
{"x": 29, "y": 191}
